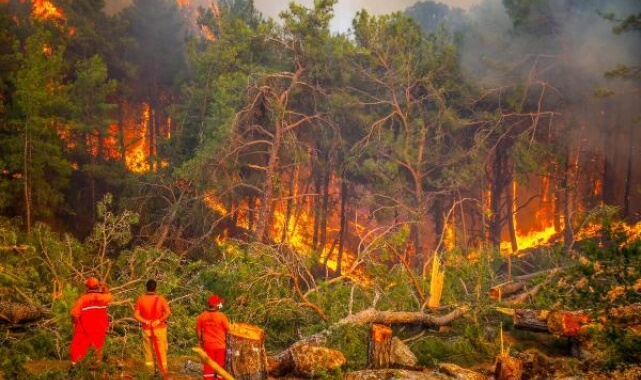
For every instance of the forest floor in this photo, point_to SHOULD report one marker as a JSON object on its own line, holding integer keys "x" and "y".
{"x": 125, "y": 370}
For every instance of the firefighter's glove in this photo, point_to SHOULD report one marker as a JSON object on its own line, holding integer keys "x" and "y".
{"x": 155, "y": 323}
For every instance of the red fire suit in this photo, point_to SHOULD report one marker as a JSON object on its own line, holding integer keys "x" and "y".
{"x": 211, "y": 330}
{"x": 91, "y": 322}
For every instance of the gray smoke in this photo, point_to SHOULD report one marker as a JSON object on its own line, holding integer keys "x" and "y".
{"x": 345, "y": 10}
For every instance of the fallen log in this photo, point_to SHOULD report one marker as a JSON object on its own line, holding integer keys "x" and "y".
{"x": 371, "y": 315}
{"x": 19, "y": 313}
{"x": 523, "y": 297}
{"x": 387, "y": 374}
{"x": 499, "y": 291}
{"x": 306, "y": 360}
{"x": 558, "y": 323}
{"x": 458, "y": 372}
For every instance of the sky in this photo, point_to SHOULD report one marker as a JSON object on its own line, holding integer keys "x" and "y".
{"x": 345, "y": 10}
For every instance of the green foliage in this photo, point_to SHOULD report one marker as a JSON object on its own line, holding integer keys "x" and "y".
{"x": 602, "y": 279}
{"x": 349, "y": 339}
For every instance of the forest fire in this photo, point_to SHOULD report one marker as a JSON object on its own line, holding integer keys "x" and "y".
{"x": 297, "y": 232}
{"x": 46, "y": 10}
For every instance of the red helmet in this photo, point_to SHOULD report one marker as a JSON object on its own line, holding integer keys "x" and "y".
{"x": 92, "y": 283}
{"x": 215, "y": 301}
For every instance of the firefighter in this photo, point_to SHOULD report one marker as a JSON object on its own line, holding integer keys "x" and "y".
{"x": 211, "y": 329}
{"x": 152, "y": 310}
{"x": 91, "y": 321}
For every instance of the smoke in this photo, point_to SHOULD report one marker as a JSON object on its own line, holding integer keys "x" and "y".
{"x": 570, "y": 56}
{"x": 345, "y": 10}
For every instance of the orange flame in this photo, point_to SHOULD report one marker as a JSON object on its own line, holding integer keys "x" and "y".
{"x": 298, "y": 231}
{"x": 45, "y": 10}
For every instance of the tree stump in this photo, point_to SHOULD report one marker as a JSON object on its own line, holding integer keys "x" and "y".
{"x": 379, "y": 346}
{"x": 508, "y": 368}
{"x": 246, "y": 358}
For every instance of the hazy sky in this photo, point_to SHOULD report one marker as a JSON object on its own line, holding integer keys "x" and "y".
{"x": 345, "y": 10}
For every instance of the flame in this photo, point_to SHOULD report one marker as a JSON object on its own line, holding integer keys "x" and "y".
{"x": 137, "y": 144}
{"x": 298, "y": 232}
{"x": 45, "y": 10}
{"x": 529, "y": 240}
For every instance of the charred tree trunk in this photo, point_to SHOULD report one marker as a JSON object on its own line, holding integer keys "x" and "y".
{"x": 324, "y": 205}
{"x": 246, "y": 358}
{"x": 379, "y": 346}
{"x": 498, "y": 177}
{"x": 343, "y": 224}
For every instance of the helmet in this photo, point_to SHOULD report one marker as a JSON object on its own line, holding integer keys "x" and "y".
{"x": 92, "y": 283}
{"x": 215, "y": 301}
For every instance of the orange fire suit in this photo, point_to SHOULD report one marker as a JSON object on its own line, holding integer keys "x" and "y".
{"x": 152, "y": 309}
{"x": 91, "y": 322}
{"x": 211, "y": 330}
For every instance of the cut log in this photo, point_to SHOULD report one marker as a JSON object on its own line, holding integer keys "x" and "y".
{"x": 500, "y": 291}
{"x": 391, "y": 374}
{"x": 459, "y": 373}
{"x": 508, "y": 368}
{"x": 559, "y": 323}
{"x": 379, "y": 346}
{"x": 306, "y": 360}
{"x": 246, "y": 358}
{"x": 567, "y": 323}
{"x": 528, "y": 319}
{"x": 18, "y": 313}
{"x": 523, "y": 297}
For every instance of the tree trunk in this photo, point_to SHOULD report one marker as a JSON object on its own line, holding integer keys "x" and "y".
{"x": 27, "y": 177}
{"x": 246, "y": 358}
{"x": 343, "y": 224}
